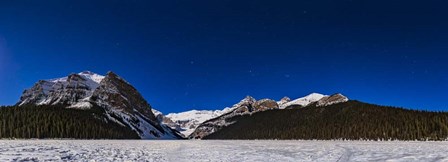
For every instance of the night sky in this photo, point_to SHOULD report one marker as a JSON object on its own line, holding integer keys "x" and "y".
{"x": 209, "y": 54}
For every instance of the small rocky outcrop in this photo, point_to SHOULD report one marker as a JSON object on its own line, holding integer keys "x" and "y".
{"x": 284, "y": 100}
{"x": 265, "y": 104}
{"x": 333, "y": 99}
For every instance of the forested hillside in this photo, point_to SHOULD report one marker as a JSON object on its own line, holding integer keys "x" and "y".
{"x": 351, "y": 120}
{"x": 57, "y": 122}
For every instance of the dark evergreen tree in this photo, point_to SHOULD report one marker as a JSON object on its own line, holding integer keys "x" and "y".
{"x": 57, "y": 122}
{"x": 351, "y": 120}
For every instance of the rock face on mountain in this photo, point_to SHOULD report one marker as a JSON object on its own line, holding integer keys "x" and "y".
{"x": 121, "y": 102}
{"x": 265, "y": 104}
{"x": 73, "y": 90}
{"x": 283, "y": 101}
{"x": 333, "y": 99}
{"x": 116, "y": 93}
{"x": 245, "y": 105}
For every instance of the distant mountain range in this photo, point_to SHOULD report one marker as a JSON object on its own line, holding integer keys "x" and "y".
{"x": 115, "y": 109}
{"x": 188, "y": 122}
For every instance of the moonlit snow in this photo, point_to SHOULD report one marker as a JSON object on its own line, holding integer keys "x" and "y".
{"x": 192, "y": 150}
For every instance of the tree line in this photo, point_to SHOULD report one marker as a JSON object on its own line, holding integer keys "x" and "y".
{"x": 352, "y": 120}
{"x": 58, "y": 122}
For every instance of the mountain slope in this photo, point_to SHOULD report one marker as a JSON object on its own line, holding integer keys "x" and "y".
{"x": 349, "y": 120}
{"x": 246, "y": 106}
{"x": 188, "y": 121}
{"x": 250, "y": 105}
{"x": 73, "y": 90}
{"x": 121, "y": 102}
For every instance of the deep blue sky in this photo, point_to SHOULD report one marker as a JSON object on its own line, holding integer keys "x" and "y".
{"x": 209, "y": 54}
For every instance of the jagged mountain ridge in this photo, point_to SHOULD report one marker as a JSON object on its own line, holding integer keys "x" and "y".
{"x": 122, "y": 103}
{"x": 303, "y": 101}
{"x": 73, "y": 90}
{"x": 186, "y": 122}
{"x": 197, "y": 124}
{"x": 250, "y": 105}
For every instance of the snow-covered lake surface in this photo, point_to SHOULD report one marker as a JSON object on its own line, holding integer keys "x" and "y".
{"x": 138, "y": 150}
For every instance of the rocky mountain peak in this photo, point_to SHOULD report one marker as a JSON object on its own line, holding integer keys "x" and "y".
{"x": 283, "y": 101}
{"x": 75, "y": 77}
{"x": 247, "y": 100}
{"x": 333, "y": 99}
{"x": 114, "y": 92}
{"x": 111, "y": 74}
{"x": 87, "y": 73}
{"x": 265, "y": 104}
{"x": 122, "y": 103}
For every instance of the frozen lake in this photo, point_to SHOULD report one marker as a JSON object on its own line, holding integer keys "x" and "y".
{"x": 138, "y": 150}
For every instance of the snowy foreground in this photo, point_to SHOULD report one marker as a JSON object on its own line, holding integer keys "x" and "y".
{"x": 137, "y": 150}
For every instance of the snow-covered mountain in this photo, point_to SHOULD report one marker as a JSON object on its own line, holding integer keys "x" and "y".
{"x": 245, "y": 106}
{"x": 121, "y": 102}
{"x": 313, "y": 98}
{"x": 251, "y": 105}
{"x": 186, "y": 122}
{"x": 74, "y": 90}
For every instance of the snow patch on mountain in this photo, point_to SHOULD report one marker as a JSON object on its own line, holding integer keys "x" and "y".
{"x": 304, "y": 101}
{"x": 92, "y": 76}
{"x": 283, "y": 101}
{"x": 81, "y": 105}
